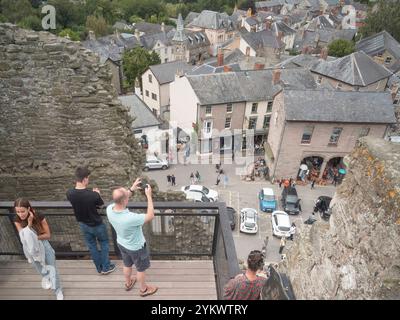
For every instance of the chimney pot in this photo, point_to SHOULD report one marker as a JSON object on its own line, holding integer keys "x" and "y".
{"x": 324, "y": 53}
{"x": 92, "y": 35}
{"x": 227, "y": 68}
{"x": 259, "y": 66}
{"x": 220, "y": 57}
{"x": 276, "y": 76}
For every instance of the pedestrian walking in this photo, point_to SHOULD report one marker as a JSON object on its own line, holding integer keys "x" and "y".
{"x": 312, "y": 184}
{"x": 85, "y": 203}
{"x": 197, "y": 176}
{"x": 282, "y": 245}
{"x": 247, "y": 285}
{"x": 218, "y": 179}
{"x": 173, "y": 182}
{"x": 34, "y": 233}
{"x": 280, "y": 183}
{"x": 130, "y": 239}
{"x": 169, "y": 179}
{"x": 292, "y": 231}
{"x": 191, "y": 178}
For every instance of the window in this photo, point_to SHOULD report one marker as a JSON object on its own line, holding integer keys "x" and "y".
{"x": 229, "y": 107}
{"x": 396, "y": 100}
{"x": 150, "y": 78}
{"x": 147, "y": 93}
{"x": 307, "y": 134}
{"x": 333, "y": 140}
{"x": 266, "y": 121}
{"x": 269, "y": 106}
{"x": 208, "y": 109}
{"x": 363, "y": 132}
{"x": 252, "y": 122}
{"x": 166, "y": 50}
{"x": 155, "y": 111}
{"x": 228, "y": 123}
{"x": 339, "y": 86}
{"x": 254, "y": 107}
{"x": 388, "y": 60}
{"x": 319, "y": 80}
{"x": 165, "y": 60}
{"x": 207, "y": 126}
{"x": 154, "y": 96}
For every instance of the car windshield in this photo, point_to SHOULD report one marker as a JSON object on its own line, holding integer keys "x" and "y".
{"x": 269, "y": 198}
{"x": 291, "y": 199}
{"x": 205, "y": 190}
{"x": 283, "y": 228}
{"x": 250, "y": 224}
{"x": 187, "y": 188}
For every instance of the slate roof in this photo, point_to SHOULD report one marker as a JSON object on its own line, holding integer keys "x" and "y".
{"x": 252, "y": 85}
{"x": 165, "y": 72}
{"x": 262, "y": 39}
{"x": 338, "y": 106}
{"x": 378, "y": 43}
{"x": 325, "y": 36}
{"x": 139, "y": 111}
{"x": 150, "y": 28}
{"x": 281, "y": 26}
{"x": 302, "y": 61}
{"x": 190, "y": 17}
{"x": 269, "y": 4}
{"x": 320, "y": 22}
{"x": 212, "y": 20}
{"x": 212, "y": 68}
{"x": 149, "y": 41}
{"x": 356, "y": 69}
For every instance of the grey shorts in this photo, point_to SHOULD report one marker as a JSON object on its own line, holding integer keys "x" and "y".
{"x": 140, "y": 258}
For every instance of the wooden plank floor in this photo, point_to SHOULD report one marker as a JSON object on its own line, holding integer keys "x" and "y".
{"x": 177, "y": 280}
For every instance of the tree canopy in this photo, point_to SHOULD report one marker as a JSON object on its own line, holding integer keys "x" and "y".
{"x": 340, "y": 48}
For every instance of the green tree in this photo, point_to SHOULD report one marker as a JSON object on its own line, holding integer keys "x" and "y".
{"x": 135, "y": 19}
{"x": 136, "y": 61}
{"x": 97, "y": 24}
{"x": 340, "y": 48}
{"x": 31, "y": 22}
{"x": 15, "y": 10}
{"x": 68, "y": 13}
{"x": 386, "y": 16}
{"x": 74, "y": 36}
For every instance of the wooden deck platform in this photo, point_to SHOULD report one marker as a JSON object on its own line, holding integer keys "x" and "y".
{"x": 177, "y": 280}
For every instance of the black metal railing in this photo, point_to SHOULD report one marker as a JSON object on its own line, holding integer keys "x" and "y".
{"x": 180, "y": 230}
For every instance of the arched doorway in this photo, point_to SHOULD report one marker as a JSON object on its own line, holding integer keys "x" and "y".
{"x": 310, "y": 168}
{"x": 335, "y": 170}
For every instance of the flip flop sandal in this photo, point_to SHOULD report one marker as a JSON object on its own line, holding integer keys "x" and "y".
{"x": 130, "y": 286}
{"x": 148, "y": 291}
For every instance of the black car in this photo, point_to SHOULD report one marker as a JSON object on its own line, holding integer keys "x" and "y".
{"x": 231, "y": 216}
{"x": 322, "y": 206}
{"x": 290, "y": 201}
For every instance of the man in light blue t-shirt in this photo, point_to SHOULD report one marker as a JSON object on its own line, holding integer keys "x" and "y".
{"x": 130, "y": 239}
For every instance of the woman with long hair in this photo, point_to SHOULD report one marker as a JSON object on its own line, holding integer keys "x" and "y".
{"x": 27, "y": 217}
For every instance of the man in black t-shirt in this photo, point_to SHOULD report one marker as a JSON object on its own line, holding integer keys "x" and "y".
{"x": 85, "y": 203}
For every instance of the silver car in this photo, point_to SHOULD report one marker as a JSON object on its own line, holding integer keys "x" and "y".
{"x": 155, "y": 163}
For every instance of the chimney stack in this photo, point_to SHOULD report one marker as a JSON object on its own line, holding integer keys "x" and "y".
{"x": 227, "y": 68}
{"x": 302, "y": 34}
{"x": 324, "y": 53}
{"x": 276, "y": 76}
{"x": 92, "y": 35}
{"x": 394, "y": 91}
{"x": 268, "y": 24}
{"x": 220, "y": 58}
{"x": 163, "y": 27}
{"x": 137, "y": 34}
{"x": 280, "y": 35}
{"x": 259, "y": 66}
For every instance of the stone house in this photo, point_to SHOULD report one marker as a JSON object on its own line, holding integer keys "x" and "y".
{"x": 261, "y": 44}
{"x": 285, "y": 33}
{"x": 355, "y": 72}
{"x": 156, "y": 85}
{"x": 322, "y": 124}
{"x": 272, "y": 5}
{"x": 218, "y": 27}
{"x": 383, "y": 48}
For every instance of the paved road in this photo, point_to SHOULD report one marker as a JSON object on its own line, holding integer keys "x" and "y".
{"x": 240, "y": 194}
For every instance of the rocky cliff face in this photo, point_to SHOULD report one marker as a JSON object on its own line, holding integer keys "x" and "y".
{"x": 59, "y": 110}
{"x": 356, "y": 255}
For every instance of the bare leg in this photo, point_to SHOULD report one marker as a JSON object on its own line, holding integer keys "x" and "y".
{"x": 128, "y": 275}
{"x": 141, "y": 277}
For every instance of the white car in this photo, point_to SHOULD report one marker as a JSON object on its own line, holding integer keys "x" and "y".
{"x": 210, "y": 194}
{"x": 155, "y": 163}
{"x": 248, "y": 220}
{"x": 281, "y": 226}
{"x": 196, "y": 196}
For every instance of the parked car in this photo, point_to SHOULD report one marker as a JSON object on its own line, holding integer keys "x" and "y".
{"x": 248, "y": 220}
{"x": 267, "y": 200}
{"x": 210, "y": 194}
{"x": 155, "y": 163}
{"x": 290, "y": 201}
{"x": 231, "y": 216}
{"x": 281, "y": 226}
{"x": 196, "y": 196}
{"x": 322, "y": 206}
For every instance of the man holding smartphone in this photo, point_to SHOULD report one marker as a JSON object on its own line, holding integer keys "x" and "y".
{"x": 130, "y": 238}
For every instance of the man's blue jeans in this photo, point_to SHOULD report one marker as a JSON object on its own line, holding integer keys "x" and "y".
{"x": 92, "y": 235}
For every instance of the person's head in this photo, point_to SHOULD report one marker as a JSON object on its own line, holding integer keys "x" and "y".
{"x": 121, "y": 196}
{"x": 82, "y": 175}
{"x": 22, "y": 207}
{"x": 255, "y": 260}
